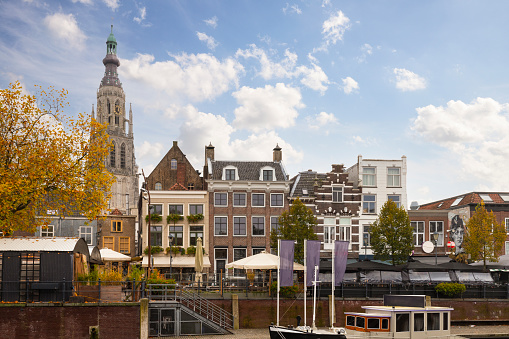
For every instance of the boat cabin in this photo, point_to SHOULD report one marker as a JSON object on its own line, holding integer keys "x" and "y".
{"x": 401, "y": 317}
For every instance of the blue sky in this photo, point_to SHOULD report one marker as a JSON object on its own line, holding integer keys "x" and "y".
{"x": 326, "y": 80}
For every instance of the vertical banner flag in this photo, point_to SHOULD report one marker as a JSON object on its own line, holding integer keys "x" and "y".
{"x": 286, "y": 263}
{"x": 340, "y": 258}
{"x": 312, "y": 260}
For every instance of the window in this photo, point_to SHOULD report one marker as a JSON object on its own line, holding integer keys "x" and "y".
{"x": 368, "y": 176}
{"x": 373, "y": 323}
{"x": 402, "y": 322}
{"x": 176, "y": 209}
{"x": 239, "y": 199}
{"x": 156, "y": 235}
{"x": 177, "y": 232}
{"x": 329, "y": 230}
{"x": 276, "y": 200}
{"x": 418, "y": 322}
{"x": 418, "y": 227}
{"x": 220, "y": 256}
{"x": 350, "y": 320}
{"x": 396, "y": 199}
{"x": 124, "y": 245}
{"x": 505, "y": 197}
{"x": 158, "y": 186}
{"x": 195, "y": 232}
{"x": 446, "y": 321}
{"x": 369, "y": 204}
{"x": 385, "y": 324}
{"x": 86, "y": 233}
{"x": 173, "y": 164}
{"x": 190, "y": 186}
{"x": 116, "y": 226}
{"x": 156, "y": 209}
{"x": 220, "y": 226}
{"x": 122, "y": 156}
{"x": 239, "y": 253}
{"x": 393, "y": 177}
{"x": 457, "y": 201}
{"x": 274, "y": 223}
{"x": 345, "y": 229}
{"x": 195, "y": 209}
{"x": 486, "y": 197}
{"x": 507, "y": 247}
{"x": 258, "y": 250}
{"x": 360, "y": 322}
{"x": 433, "y": 321}
{"x": 268, "y": 175}
{"x": 366, "y": 235}
{"x": 258, "y": 200}
{"x": 220, "y": 199}
{"x": 507, "y": 225}
{"x": 437, "y": 226}
{"x": 112, "y": 154}
{"x": 337, "y": 194}
{"x": 30, "y": 269}
{"x": 108, "y": 242}
{"x": 229, "y": 174}
{"x": 47, "y": 231}
{"x": 239, "y": 226}
{"x": 258, "y": 225}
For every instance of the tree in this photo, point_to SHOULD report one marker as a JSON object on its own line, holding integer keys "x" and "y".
{"x": 48, "y": 161}
{"x": 484, "y": 236}
{"x": 296, "y": 224}
{"x": 392, "y": 234}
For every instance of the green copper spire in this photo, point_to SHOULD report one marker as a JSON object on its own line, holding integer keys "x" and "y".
{"x": 111, "y": 43}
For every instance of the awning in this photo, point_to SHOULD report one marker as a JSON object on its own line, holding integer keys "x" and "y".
{"x": 110, "y": 255}
{"x": 164, "y": 261}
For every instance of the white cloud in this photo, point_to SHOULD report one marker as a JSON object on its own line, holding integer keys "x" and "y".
{"x": 143, "y": 15}
{"x": 211, "y": 43}
{"x": 150, "y": 154}
{"x": 349, "y": 85}
{"x": 335, "y": 27}
{"x": 474, "y": 136}
{"x": 65, "y": 27}
{"x": 86, "y": 2}
{"x": 113, "y": 4}
{"x": 325, "y": 3}
{"x": 357, "y": 139}
{"x": 292, "y": 9}
{"x": 212, "y": 22}
{"x": 267, "y": 108}
{"x": 366, "y": 50}
{"x": 314, "y": 78}
{"x": 408, "y": 81}
{"x": 321, "y": 120}
{"x": 196, "y": 76}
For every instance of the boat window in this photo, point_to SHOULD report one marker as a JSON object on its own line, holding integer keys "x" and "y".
{"x": 359, "y": 322}
{"x": 385, "y": 324}
{"x": 418, "y": 322}
{"x": 374, "y": 323}
{"x": 402, "y": 322}
{"x": 446, "y": 321}
{"x": 350, "y": 320}
{"x": 433, "y": 321}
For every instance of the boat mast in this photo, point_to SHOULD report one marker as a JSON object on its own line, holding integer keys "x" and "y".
{"x": 333, "y": 310}
{"x": 305, "y": 279}
{"x": 314, "y": 298}
{"x": 278, "y": 267}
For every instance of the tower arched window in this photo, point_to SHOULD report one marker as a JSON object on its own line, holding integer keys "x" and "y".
{"x": 112, "y": 155}
{"x": 122, "y": 156}
{"x": 173, "y": 164}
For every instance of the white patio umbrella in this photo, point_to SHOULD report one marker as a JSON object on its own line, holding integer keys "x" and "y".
{"x": 260, "y": 261}
{"x": 198, "y": 259}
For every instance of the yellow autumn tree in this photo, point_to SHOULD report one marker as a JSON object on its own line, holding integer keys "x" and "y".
{"x": 48, "y": 161}
{"x": 484, "y": 236}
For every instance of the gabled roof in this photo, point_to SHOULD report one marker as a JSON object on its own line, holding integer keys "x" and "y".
{"x": 247, "y": 170}
{"x": 306, "y": 181}
{"x": 47, "y": 244}
{"x": 466, "y": 199}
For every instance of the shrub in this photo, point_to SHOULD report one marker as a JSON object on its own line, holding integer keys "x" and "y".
{"x": 173, "y": 218}
{"x": 107, "y": 276}
{"x": 135, "y": 273}
{"x": 153, "y": 250}
{"x": 174, "y": 249}
{"x": 284, "y": 291}
{"x": 195, "y": 217}
{"x": 154, "y": 217}
{"x": 191, "y": 250}
{"x": 450, "y": 289}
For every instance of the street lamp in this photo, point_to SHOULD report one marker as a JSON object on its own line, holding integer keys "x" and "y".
{"x": 435, "y": 240}
{"x": 170, "y": 240}
{"x": 144, "y": 189}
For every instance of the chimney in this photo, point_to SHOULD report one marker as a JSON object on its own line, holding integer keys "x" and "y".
{"x": 277, "y": 154}
{"x": 209, "y": 153}
{"x": 174, "y": 143}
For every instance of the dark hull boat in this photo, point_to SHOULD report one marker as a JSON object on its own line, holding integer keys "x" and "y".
{"x": 304, "y": 332}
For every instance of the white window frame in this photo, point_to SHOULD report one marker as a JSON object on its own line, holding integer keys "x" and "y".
{"x": 245, "y": 226}
{"x": 252, "y": 194}
{"x": 239, "y": 272}
{"x": 267, "y": 168}
{"x": 366, "y": 175}
{"x": 225, "y": 205}
{"x": 245, "y": 199}
{"x": 370, "y": 202}
{"x": 440, "y": 242}
{"x": 252, "y": 226}
{"x": 257, "y": 249}
{"x": 507, "y": 247}
{"x": 173, "y": 164}
{"x": 507, "y": 225}
{"x": 202, "y": 208}
{"x": 49, "y": 232}
{"x": 398, "y": 203}
{"x": 236, "y": 173}
{"x": 277, "y": 221}
{"x": 334, "y": 194}
{"x": 417, "y": 233}
{"x": 216, "y": 260}
{"x": 390, "y": 182}
{"x": 282, "y": 200}
{"x": 220, "y": 235}
{"x": 82, "y": 234}
{"x": 183, "y": 208}
{"x": 329, "y": 230}
{"x": 158, "y": 186}
{"x": 366, "y": 234}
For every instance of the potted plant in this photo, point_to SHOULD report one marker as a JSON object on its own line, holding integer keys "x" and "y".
{"x": 154, "y": 217}
{"x": 153, "y": 250}
{"x": 174, "y": 249}
{"x": 173, "y": 218}
{"x": 191, "y": 250}
{"x": 195, "y": 217}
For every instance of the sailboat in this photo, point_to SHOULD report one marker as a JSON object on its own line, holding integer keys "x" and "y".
{"x": 304, "y": 332}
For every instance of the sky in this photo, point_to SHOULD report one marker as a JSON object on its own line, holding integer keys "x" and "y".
{"x": 326, "y": 80}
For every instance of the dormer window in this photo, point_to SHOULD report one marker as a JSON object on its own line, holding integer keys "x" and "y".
{"x": 267, "y": 174}
{"x": 230, "y": 173}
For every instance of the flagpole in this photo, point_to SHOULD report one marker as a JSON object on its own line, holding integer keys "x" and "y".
{"x": 278, "y": 277}
{"x": 333, "y": 310}
{"x": 305, "y": 279}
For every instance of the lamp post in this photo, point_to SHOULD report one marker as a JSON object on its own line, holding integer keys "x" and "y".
{"x": 435, "y": 240}
{"x": 170, "y": 240}
{"x": 145, "y": 190}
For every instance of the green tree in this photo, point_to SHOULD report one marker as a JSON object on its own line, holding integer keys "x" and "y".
{"x": 392, "y": 234}
{"x": 484, "y": 236}
{"x": 296, "y": 224}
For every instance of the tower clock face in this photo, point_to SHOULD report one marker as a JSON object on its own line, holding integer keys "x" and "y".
{"x": 117, "y": 109}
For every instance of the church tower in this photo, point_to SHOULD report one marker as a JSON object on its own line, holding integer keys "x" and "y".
{"x": 111, "y": 109}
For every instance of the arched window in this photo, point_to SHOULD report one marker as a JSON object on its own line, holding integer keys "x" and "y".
{"x": 122, "y": 156}
{"x": 173, "y": 164}
{"x": 112, "y": 155}
{"x": 159, "y": 186}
